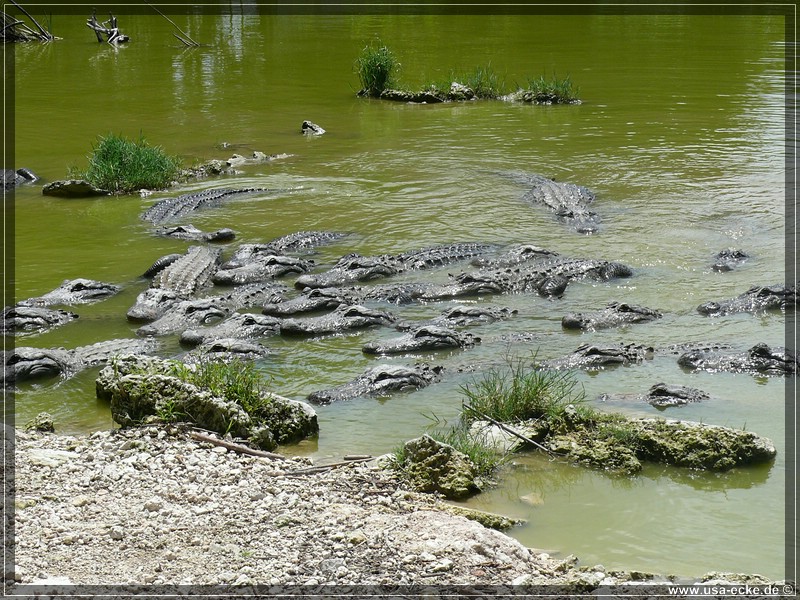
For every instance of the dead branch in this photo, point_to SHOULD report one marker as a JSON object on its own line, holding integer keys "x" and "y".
{"x": 187, "y": 40}
{"x": 510, "y": 430}
{"x": 108, "y": 28}
{"x": 43, "y": 34}
{"x": 201, "y": 437}
{"x": 321, "y": 468}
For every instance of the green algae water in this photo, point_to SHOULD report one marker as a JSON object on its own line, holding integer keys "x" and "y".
{"x": 680, "y": 135}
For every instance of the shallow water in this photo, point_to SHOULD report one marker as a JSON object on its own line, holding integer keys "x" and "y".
{"x": 680, "y": 135}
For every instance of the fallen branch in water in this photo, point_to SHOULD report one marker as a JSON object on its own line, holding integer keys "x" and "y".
{"x": 186, "y": 40}
{"x": 108, "y": 28}
{"x": 15, "y": 30}
{"x": 510, "y": 430}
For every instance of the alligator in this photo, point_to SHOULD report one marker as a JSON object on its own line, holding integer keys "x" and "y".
{"x": 312, "y": 299}
{"x": 461, "y": 316}
{"x": 354, "y": 267}
{"x": 514, "y": 256}
{"x": 756, "y": 299}
{"x": 179, "y": 280}
{"x": 184, "y": 314}
{"x": 662, "y": 396}
{"x": 226, "y": 350}
{"x": 380, "y": 381}
{"x": 161, "y": 263}
{"x": 238, "y": 326}
{"x": 728, "y": 259}
{"x": 19, "y": 320}
{"x": 614, "y": 314}
{"x": 546, "y": 277}
{"x": 171, "y": 208}
{"x": 74, "y": 291}
{"x": 758, "y": 360}
{"x": 25, "y": 363}
{"x": 293, "y": 242}
{"x": 12, "y": 179}
{"x": 190, "y": 232}
{"x": 597, "y": 357}
{"x": 568, "y": 201}
{"x": 261, "y": 267}
{"x": 421, "y": 339}
{"x": 341, "y": 319}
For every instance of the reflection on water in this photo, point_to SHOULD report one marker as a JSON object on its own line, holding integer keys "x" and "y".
{"x": 680, "y": 135}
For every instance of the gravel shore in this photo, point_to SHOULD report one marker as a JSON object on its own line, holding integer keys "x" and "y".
{"x": 154, "y": 507}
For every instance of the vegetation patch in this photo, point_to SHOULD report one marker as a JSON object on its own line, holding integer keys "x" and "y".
{"x": 122, "y": 166}
{"x": 376, "y": 67}
{"x": 225, "y": 397}
{"x": 550, "y": 404}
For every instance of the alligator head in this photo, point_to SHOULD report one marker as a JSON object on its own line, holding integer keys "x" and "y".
{"x": 238, "y": 326}
{"x": 341, "y": 319}
{"x": 75, "y": 291}
{"x": 35, "y": 363}
{"x": 379, "y": 381}
{"x": 425, "y": 338}
{"x": 348, "y": 269}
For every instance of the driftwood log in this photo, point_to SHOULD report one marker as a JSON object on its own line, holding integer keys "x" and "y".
{"x": 106, "y": 28}
{"x": 15, "y": 30}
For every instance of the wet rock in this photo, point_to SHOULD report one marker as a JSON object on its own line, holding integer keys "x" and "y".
{"x": 432, "y": 466}
{"x": 41, "y": 422}
{"x": 309, "y": 128}
{"x": 12, "y": 179}
{"x": 73, "y": 188}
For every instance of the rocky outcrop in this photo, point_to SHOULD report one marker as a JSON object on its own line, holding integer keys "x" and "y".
{"x": 143, "y": 390}
{"x": 431, "y": 466}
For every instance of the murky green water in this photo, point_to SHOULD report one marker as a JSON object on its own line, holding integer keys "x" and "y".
{"x": 680, "y": 135}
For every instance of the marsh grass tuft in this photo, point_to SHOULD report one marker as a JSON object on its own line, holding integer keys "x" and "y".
{"x": 482, "y": 80}
{"x": 519, "y": 393}
{"x": 237, "y": 381}
{"x": 122, "y": 166}
{"x": 376, "y": 67}
{"x": 554, "y": 90}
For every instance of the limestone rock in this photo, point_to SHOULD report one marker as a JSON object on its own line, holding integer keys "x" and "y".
{"x": 72, "y": 188}
{"x": 432, "y": 466}
{"x": 41, "y": 422}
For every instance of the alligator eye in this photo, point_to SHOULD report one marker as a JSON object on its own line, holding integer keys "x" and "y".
{"x": 79, "y": 287}
{"x": 15, "y": 359}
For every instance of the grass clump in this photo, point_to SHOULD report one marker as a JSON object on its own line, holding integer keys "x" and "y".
{"x": 554, "y": 90}
{"x": 483, "y": 83}
{"x": 237, "y": 381}
{"x": 518, "y": 393}
{"x": 123, "y": 166}
{"x": 376, "y": 67}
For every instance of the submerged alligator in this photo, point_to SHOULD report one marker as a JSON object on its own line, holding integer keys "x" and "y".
{"x": 260, "y": 267}
{"x": 568, "y": 201}
{"x": 758, "y": 360}
{"x": 171, "y": 208}
{"x": 425, "y": 338}
{"x": 226, "y": 350}
{"x": 756, "y": 299}
{"x": 12, "y": 179}
{"x": 614, "y": 314}
{"x": 354, "y": 267}
{"x": 662, "y": 396}
{"x": 589, "y": 356}
{"x": 74, "y": 291}
{"x": 728, "y": 259}
{"x": 343, "y": 318}
{"x": 190, "y": 232}
{"x": 238, "y": 326}
{"x": 18, "y": 320}
{"x": 380, "y": 381}
{"x": 26, "y": 363}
